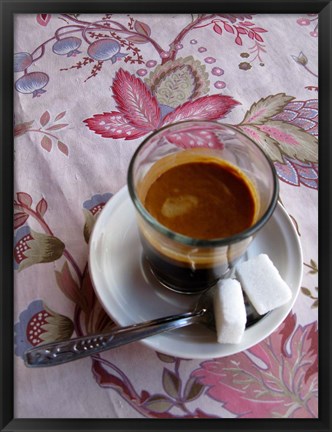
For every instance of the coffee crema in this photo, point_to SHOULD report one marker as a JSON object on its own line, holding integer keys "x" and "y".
{"x": 200, "y": 196}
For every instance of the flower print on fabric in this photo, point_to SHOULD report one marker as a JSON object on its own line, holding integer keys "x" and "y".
{"x": 294, "y": 171}
{"x": 97, "y": 202}
{"x": 260, "y": 382}
{"x": 303, "y": 61}
{"x": 310, "y": 21}
{"x": 91, "y": 209}
{"x": 287, "y": 131}
{"x": 46, "y": 128}
{"x": 140, "y": 112}
{"x": 31, "y": 248}
{"x": 110, "y": 40}
{"x": 177, "y": 82}
{"x": 38, "y": 324}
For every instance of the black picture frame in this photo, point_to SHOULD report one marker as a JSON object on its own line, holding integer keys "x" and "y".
{"x": 7, "y": 10}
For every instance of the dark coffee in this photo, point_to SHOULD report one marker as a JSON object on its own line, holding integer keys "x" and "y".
{"x": 201, "y": 197}
{"x": 203, "y": 200}
{"x": 179, "y": 276}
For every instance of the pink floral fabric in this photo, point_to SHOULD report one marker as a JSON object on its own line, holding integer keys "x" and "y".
{"x": 88, "y": 89}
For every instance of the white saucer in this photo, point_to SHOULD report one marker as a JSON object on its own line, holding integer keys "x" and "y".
{"x": 130, "y": 294}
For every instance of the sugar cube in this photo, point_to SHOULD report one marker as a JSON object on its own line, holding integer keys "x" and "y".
{"x": 229, "y": 311}
{"x": 262, "y": 283}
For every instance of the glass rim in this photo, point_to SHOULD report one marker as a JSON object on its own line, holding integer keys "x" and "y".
{"x": 191, "y": 241}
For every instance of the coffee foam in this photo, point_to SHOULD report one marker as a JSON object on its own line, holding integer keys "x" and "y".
{"x": 179, "y": 205}
{"x": 167, "y": 246}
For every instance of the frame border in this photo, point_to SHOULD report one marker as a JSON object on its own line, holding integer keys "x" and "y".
{"x": 7, "y": 10}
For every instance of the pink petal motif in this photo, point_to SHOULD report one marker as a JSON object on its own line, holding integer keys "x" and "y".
{"x": 135, "y": 101}
{"x": 287, "y": 173}
{"x": 295, "y": 106}
{"x": 20, "y": 219}
{"x": 24, "y": 198}
{"x": 312, "y": 103}
{"x": 41, "y": 207}
{"x": 43, "y": 19}
{"x": 195, "y": 137}
{"x": 113, "y": 125}
{"x": 309, "y": 113}
{"x": 287, "y": 387}
{"x": 304, "y": 123}
{"x": 204, "y": 108}
{"x": 286, "y": 115}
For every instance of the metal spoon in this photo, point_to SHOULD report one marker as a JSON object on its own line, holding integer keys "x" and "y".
{"x": 55, "y": 353}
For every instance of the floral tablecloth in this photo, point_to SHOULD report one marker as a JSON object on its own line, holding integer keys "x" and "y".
{"x": 88, "y": 89}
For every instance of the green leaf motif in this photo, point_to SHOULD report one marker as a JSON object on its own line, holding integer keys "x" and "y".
{"x": 166, "y": 358}
{"x": 266, "y": 108}
{"x": 89, "y": 223}
{"x": 158, "y": 403}
{"x": 193, "y": 389}
{"x": 266, "y": 143}
{"x": 306, "y": 291}
{"x": 171, "y": 383}
{"x": 314, "y": 266}
{"x": 292, "y": 141}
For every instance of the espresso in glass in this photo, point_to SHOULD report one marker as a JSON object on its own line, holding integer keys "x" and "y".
{"x": 199, "y": 196}
{"x": 199, "y": 208}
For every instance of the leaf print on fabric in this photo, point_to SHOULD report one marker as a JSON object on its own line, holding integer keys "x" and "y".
{"x": 204, "y": 108}
{"x": 281, "y": 386}
{"x": 303, "y": 114}
{"x": 19, "y": 219}
{"x": 288, "y": 137}
{"x": 158, "y": 404}
{"x": 171, "y": 383}
{"x": 195, "y": 136}
{"x": 135, "y": 101}
{"x": 113, "y": 125}
{"x": 293, "y": 141}
{"x": 63, "y": 148}
{"x": 46, "y": 143}
{"x": 135, "y": 120}
{"x": 267, "y": 144}
{"x": 22, "y": 128}
{"x": 142, "y": 28}
{"x": 266, "y": 108}
{"x": 24, "y": 198}
{"x": 45, "y": 118}
{"x": 193, "y": 389}
{"x": 46, "y": 127}
{"x": 41, "y": 207}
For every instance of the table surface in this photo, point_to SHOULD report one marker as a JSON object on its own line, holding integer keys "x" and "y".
{"x": 88, "y": 89}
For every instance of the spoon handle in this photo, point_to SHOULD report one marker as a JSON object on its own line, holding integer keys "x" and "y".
{"x": 55, "y": 353}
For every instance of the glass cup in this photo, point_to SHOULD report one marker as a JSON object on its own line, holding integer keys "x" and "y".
{"x": 186, "y": 264}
